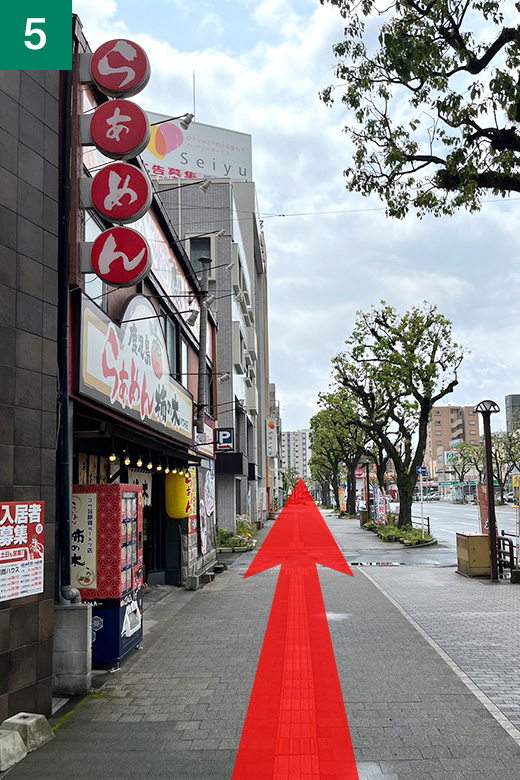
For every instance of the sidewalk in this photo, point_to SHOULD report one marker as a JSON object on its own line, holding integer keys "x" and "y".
{"x": 176, "y": 709}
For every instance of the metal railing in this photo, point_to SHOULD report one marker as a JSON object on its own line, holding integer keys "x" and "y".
{"x": 418, "y": 522}
{"x": 506, "y": 556}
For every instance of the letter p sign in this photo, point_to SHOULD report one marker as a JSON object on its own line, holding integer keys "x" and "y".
{"x": 224, "y": 439}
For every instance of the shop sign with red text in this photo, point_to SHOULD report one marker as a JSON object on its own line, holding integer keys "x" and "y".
{"x": 21, "y": 549}
{"x": 127, "y": 369}
{"x": 121, "y": 192}
{"x": 120, "y": 256}
{"x": 120, "y": 129}
{"x": 120, "y": 68}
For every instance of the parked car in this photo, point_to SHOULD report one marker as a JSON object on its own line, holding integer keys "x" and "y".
{"x": 509, "y": 498}
{"x": 433, "y": 497}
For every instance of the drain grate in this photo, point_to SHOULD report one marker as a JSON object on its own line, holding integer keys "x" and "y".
{"x": 376, "y": 563}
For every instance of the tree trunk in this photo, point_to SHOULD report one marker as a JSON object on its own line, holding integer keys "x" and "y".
{"x": 335, "y": 488}
{"x": 351, "y": 491}
{"x": 325, "y": 494}
{"x": 405, "y": 507}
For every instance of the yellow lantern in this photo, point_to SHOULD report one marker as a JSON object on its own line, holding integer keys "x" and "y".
{"x": 178, "y": 496}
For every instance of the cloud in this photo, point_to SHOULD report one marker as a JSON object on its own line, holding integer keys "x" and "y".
{"x": 213, "y": 23}
{"x": 340, "y": 253}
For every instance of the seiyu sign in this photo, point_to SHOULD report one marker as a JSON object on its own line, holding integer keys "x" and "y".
{"x": 126, "y": 368}
{"x": 271, "y": 438}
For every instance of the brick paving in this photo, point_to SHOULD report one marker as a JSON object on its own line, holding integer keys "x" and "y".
{"x": 477, "y": 623}
{"x": 176, "y": 709}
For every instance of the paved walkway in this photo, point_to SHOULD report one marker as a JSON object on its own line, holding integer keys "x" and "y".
{"x": 177, "y": 708}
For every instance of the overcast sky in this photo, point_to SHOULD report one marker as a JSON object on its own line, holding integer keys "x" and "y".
{"x": 259, "y": 66}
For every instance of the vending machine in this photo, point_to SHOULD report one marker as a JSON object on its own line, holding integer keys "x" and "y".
{"x": 107, "y": 565}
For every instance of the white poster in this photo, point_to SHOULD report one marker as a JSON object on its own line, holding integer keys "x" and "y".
{"x": 83, "y": 541}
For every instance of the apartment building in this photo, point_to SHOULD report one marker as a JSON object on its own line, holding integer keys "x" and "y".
{"x": 512, "y": 412}
{"x": 449, "y": 425}
{"x": 296, "y": 451}
{"x": 221, "y": 221}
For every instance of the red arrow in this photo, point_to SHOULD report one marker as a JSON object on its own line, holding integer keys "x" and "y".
{"x": 296, "y": 727}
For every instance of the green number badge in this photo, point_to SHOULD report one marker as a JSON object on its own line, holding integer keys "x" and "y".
{"x": 36, "y": 35}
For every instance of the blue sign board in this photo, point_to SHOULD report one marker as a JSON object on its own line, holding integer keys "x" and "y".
{"x": 421, "y": 470}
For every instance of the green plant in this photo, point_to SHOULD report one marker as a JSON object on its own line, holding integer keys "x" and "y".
{"x": 369, "y": 525}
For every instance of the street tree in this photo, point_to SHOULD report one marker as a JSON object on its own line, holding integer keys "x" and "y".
{"x": 505, "y": 449}
{"x": 398, "y": 367}
{"x": 435, "y": 102}
{"x": 462, "y": 462}
{"x": 326, "y": 456}
{"x": 342, "y": 415}
{"x": 290, "y": 477}
{"x": 478, "y": 460}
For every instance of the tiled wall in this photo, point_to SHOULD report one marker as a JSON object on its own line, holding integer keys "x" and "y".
{"x": 28, "y": 383}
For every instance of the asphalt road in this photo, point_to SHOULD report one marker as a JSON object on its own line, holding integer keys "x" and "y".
{"x": 446, "y": 520}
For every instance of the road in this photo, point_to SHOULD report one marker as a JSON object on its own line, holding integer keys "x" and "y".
{"x": 446, "y": 520}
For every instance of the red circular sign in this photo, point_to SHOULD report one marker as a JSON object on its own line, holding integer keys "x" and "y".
{"x": 120, "y": 129}
{"x": 121, "y": 192}
{"x": 120, "y": 68}
{"x": 121, "y": 256}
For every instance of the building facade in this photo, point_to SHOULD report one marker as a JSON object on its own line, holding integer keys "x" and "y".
{"x": 222, "y": 223}
{"x": 448, "y": 426}
{"x": 512, "y": 412}
{"x": 296, "y": 451}
{"x": 29, "y": 209}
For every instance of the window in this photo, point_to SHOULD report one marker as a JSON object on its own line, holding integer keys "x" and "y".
{"x": 438, "y": 433}
{"x": 437, "y": 411}
{"x": 199, "y": 247}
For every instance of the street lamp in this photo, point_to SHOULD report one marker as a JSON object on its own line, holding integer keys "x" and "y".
{"x": 486, "y": 409}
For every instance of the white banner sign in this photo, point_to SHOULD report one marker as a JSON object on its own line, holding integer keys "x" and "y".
{"x": 127, "y": 369}
{"x": 200, "y": 152}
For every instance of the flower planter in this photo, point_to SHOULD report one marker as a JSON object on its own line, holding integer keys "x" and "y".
{"x": 240, "y": 549}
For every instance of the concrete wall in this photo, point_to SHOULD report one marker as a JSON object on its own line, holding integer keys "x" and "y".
{"x": 28, "y": 301}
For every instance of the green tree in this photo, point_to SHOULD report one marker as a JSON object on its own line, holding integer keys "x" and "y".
{"x": 478, "y": 460}
{"x": 290, "y": 477}
{"x": 398, "y": 367}
{"x": 505, "y": 450}
{"x": 325, "y": 462}
{"x": 462, "y": 462}
{"x": 456, "y": 64}
{"x": 342, "y": 415}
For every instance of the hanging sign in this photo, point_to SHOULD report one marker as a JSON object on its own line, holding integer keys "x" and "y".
{"x": 21, "y": 549}
{"x": 121, "y": 192}
{"x": 120, "y": 129}
{"x": 120, "y": 68}
{"x": 121, "y": 256}
{"x": 126, "y": 369}
{"x": 271, "y": 437}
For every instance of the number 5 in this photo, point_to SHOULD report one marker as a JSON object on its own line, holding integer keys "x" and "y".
{"x": 35, "y": 31}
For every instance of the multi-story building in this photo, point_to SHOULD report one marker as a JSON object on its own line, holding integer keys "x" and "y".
{"x": 512, "y": 412}
{"x": 29, "y": 267}
{"x": 274, "y": 451}
{"x": 221, "y": 222}
{"x": 448, "y": 426}
{"x": 296, "y": 451}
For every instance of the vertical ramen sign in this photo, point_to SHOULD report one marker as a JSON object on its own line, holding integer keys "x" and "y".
{"x": 119, "y": 192}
